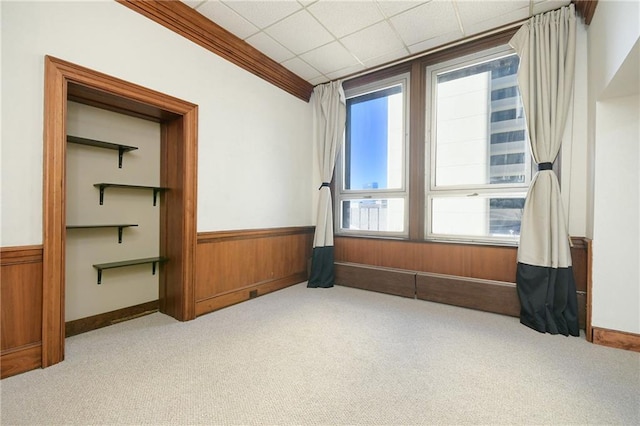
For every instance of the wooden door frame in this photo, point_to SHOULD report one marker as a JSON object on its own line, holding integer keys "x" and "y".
{"x": 178, "y": 171}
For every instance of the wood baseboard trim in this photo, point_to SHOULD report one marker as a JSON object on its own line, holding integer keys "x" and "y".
{"x": 20, "y": 360}
{"x": 616, "y": 339}
{"x": 397, "y": 282}
{"x": 95, "y": 322}
{"x": 484, "y": 295}
{"x": 219, "y": 301}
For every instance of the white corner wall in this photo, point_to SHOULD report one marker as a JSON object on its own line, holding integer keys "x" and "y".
{"x": 614, "y": 30}
{"x": 254, "y": 140}
{"x": 616, "y": 239}
{"x": 614, "y": 159}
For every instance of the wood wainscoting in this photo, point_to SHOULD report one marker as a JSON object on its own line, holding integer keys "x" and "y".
{"x": 21, "y": 306}
{"x": 472, "y": 276}
{"x": 233, "y": 266}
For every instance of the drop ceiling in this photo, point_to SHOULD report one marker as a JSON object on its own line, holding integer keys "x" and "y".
{"x": 323, "y": 40}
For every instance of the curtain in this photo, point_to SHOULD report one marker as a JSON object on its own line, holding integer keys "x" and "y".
{"x": 544, "y": 279}
{"x": 330, "y": 112}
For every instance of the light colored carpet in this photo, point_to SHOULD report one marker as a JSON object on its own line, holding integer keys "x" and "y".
{"x": 328, "y": 356}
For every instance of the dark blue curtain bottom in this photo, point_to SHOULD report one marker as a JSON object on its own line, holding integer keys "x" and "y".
{"x": 322, "y": 270}
{"x": 548, "y": 301}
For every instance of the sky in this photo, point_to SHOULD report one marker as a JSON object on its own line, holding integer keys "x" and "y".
{"x": 368, "y": 128}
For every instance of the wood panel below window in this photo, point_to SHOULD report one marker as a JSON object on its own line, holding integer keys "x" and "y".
{"x": 472, "y": 276}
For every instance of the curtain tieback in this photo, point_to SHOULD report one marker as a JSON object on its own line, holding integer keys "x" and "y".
{"x": 545, "y": 166}
{"x": 327, "y": 184}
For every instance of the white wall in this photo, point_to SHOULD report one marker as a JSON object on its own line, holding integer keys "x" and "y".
{"x": 614, "y": 30}
{"x": 254, "y": 141}
{"x": 616, "y": 239}
{"x": 614, "y": 159}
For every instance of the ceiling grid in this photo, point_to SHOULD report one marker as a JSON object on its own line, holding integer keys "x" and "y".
{"x": 322, "y": 40}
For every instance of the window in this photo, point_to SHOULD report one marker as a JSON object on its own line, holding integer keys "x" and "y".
{"x": 459, "y": 172}
{"x": 479, "y": 155}
{"x": 372, "y": 196}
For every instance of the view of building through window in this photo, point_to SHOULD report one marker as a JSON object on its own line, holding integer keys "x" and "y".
{"x": 480, "y": 142}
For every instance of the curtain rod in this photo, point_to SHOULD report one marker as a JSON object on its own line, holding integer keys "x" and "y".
{"x": 436, "y": 49}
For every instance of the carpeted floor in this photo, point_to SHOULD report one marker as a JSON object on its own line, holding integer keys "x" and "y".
{"x": 328, "y": 356}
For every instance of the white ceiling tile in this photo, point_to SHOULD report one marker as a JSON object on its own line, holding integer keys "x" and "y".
{"x": 437, "y": 41}
{"x": 329, "y": 58}
{"x": 263, "y": 13}
{"x": 385, "y": 59}
{"x": 346, "y": 17}
{"x": 270, "y": 47}
{"x": 300, "y": 33}
{"x": 541, "y": 6}
{"x": 497, "y": 21}
{"x": 318, "y": 80}
{"x": 374, "y": 41}
{"x": 228, "y": 19}
{"x": 472, "y": 12}
{"x": 301, "y": 68}
{"x": 194, "y": 3}
{"x": 344, "y": 72}
{"x": 393, "y": 7}
{"x": 426, "y": 21}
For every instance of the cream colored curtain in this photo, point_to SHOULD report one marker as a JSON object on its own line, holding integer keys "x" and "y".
{"x": 329, "y": 122}
{"x": 546, "y": 46}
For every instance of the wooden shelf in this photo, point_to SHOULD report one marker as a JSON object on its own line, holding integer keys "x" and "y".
{"x": 120, "y": 227}
{"x": 121, "y": 264}
{"x": 103, "y": 185}
{"x": 102, "y": 144}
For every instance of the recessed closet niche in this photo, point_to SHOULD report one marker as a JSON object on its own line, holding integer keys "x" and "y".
{"x": 86, "y": 246}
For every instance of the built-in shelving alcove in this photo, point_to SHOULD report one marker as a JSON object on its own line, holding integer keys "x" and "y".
{"x": 175, "y": 121}
{"x": 104, "y": 274}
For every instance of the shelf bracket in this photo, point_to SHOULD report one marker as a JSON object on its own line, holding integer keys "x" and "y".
{"x": 155, "y": 195}
{"x": 101, "y": 194}
{"x": 153, "y": 268}
{"x": 121, "y": 151}
{"x": 120, "y": 228}
{"x": 99, "y": 276}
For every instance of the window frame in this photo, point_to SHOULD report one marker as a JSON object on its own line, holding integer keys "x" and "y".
{"x": 418, "y": 162}
{"x": 342, "y": 194}
{"x": 486, "y": 190}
